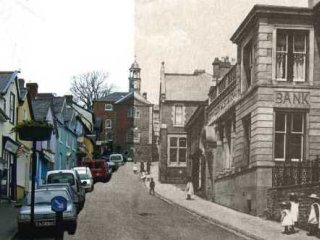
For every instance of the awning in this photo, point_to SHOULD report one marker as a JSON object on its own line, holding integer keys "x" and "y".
{"x": 10, "y": 145}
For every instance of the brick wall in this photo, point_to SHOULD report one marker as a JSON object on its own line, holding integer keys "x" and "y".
{"x": 277, "y": 195}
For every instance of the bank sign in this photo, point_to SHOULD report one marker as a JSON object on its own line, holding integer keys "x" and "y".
{"x": 292, "y": 99}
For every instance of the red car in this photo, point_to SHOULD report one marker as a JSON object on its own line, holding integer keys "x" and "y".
{"x": 99, "y": 169}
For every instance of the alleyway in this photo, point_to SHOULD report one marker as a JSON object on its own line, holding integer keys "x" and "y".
{"x": 122, "y": 209}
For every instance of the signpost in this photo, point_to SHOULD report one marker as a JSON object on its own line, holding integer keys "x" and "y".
{"x": 59, "y": 205}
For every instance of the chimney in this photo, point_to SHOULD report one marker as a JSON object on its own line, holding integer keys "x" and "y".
{"x": 32, "y": 89}
{"x": 216, "y": 69}
{"x": 69, "y": 99}
{"x": 144, "y": 95}
{"x": 21, "y": 83}
{"x": 312, "y": 3}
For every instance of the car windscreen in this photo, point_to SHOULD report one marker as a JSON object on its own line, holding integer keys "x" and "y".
{"x": 116, "y": 158}
{"x": 45, "y": 197}
{"x": 61, "y": 178}
{"x": 83, "y": 176}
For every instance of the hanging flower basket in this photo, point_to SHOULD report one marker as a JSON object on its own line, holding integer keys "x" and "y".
{"x": 34, "y": 130}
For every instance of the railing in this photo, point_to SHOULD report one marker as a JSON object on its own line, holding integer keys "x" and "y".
{"x": 295, "y": 173}
{"x": 228, "y": 79}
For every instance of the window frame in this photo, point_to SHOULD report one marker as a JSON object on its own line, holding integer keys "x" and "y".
{"x": 106, "y": 107}
{"x": 291, "y": 132}
{"x": 12, "y": 106}
{"x": 309, "y": 56}
{"x": 108, "y": 126}
{"x": 177, "y": 163}
{"x": 175, "y": 115}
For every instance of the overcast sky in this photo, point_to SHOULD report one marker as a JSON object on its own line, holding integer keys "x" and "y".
{"x": 52, "y": 40}
{"x": 187, "y": 34}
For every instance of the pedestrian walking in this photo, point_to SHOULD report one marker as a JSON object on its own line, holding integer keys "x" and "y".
{"x": 148, "y": 167}
{"x": 189, "y": 189}
{"x": 143, "y": 177}
{"x": 141, "y": 167}
{"x": 294, "y": 210}
{"x": 152, "y": 185}
{"x": 286, "y": 218}
{"x": 313, "y": 219}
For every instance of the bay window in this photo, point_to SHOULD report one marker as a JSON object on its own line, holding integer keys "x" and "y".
{"x": 289, "y": 136}
{"x": 291, "y": 55}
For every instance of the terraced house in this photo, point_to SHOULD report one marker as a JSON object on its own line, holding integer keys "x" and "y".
{"x": 9, "y": 100}
{"x": 265, "y": 110}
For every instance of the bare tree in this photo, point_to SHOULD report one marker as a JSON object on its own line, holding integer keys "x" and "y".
{"x": 89, "y": 86}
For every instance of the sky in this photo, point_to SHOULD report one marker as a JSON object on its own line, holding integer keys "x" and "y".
{"x": 187, "y": 34}
{"x": 49, "y": 41}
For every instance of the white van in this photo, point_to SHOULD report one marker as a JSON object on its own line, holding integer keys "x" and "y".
{"x": 117, "y": 159}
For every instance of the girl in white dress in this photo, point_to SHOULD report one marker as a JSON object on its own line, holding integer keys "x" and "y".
{"x": 294, "y": 210}
{"x": 286, "y": 219}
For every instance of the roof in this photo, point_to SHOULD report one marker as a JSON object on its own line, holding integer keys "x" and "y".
{"x": 135, "y": 96}
{"x": 134, "y": 65}
{"x": 69, "y": 114}
{"x": 40, "y": 108}
{"x": 187, "y": 87}
{"x": 5, "y": 80}
{"x": 113, "y": 97}
{"x": 268, "y": 10}
{"x": 58, "y": 103}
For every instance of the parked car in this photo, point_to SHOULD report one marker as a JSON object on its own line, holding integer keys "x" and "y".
{"x": 99, "y": 169}
{"x": 68, "y": 176}
{"x": 86, "y": 178}
{"x": 112, "y": 167}
{"x": 44, "y": 217}
{"x": 117, "y": 159}
{"x": 72, "y": 192}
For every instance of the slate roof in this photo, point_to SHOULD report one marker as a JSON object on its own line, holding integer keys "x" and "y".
{"x": 57, "y": 103}
{"x": 40, "y": 108}
{"x": 113, "y": 97}
{"x": 5, "y": 79}
{"x": 69, "y": 114}
{"x": 187, "y": 87}
{"x": 136, "y": 96}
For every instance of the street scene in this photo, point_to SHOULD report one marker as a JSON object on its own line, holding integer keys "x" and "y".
{"x": 182, "y": 119}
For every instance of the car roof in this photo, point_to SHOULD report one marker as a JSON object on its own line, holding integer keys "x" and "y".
{"x": 55, "y": 185}
{"x": 115, "y": 154}
{"x": 61, "y": 171}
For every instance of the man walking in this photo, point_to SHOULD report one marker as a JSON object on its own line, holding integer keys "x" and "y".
{"x": 151, "y": 186}
{"x": 313, "y": 219}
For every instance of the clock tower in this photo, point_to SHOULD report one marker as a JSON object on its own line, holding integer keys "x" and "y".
{"x": 134, "y": 78}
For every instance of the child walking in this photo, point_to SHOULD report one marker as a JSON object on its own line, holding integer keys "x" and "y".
{"x": 294, "y": 210}
{"x": 286, "y": 219}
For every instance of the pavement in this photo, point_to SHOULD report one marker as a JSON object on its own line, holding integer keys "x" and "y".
{"x": 8, "y": 220}
{"x": 244, "y": 224}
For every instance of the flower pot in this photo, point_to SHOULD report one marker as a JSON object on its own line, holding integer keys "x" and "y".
{"x": 35, "y": 133}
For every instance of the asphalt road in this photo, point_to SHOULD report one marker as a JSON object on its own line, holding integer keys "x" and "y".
{"x": 122, "y": 209}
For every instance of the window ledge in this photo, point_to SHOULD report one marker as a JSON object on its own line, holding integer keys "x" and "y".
{"x": 177, "y": 165}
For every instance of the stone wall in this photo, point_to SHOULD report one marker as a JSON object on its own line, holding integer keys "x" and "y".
{"x": 277, "y": 195}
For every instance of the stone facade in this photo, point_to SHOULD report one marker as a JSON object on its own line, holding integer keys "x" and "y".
{"x": 265, "y": 110}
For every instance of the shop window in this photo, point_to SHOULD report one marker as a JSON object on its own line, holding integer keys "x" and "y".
{"x": 178, "y": 115}
{"x": 291, "y": 55}
{"x": 108, "y": 107}
{"x": 177, "y": 150}
{"x": 248, "y": 60}
{"x": 247, "y": 138}
{"x": 289, "y": 136}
